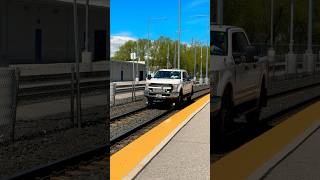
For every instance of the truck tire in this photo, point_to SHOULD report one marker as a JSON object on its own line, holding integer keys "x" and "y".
{"x": 253, "y": 117}
{"x": 178, "y": 101}
{"x": 150, "y": 102}
{"x": 225, "y": 114}
{"x": 190, "y": 95}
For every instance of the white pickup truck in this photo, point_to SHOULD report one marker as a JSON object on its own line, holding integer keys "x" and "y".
{"x": 238, "y": 77}
{"x": 169, "y": 85}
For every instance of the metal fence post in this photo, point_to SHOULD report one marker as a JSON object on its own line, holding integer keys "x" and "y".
{"x": 15, "y": 84}
{"x": 114, "y": 93}
{"x": 72, "y": 96}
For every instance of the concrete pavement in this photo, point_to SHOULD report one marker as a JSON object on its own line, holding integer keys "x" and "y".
{"x": 187, "y": 155}
{"x": 302, "y": 163}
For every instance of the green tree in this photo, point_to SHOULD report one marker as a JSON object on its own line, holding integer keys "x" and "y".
{"x": 159, "y": 54}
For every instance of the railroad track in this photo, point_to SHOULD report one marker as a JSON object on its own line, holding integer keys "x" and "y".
{"x": 86, "y": 165}
{"x": 124, "y": 125}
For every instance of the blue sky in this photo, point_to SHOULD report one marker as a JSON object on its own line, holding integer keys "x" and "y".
{"x": 129, "y": 20}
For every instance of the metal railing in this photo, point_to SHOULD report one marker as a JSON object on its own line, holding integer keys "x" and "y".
{"x": 130, "y": 93}
{"x": 50, "y": 106}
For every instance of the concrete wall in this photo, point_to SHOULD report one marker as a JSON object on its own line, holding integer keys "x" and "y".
{"x": 126, "y": 68}
{"x": 55, "y": 21}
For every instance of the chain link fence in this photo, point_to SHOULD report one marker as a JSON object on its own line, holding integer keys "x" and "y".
{"x": 280, "y": 49}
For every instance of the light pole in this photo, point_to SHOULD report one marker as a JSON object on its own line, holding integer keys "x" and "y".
{"x": 195, "y": 62}
{"x": 138, "y": 59}
{"x": 148, "y": 54}
{"x": 175, "y": 55}
{"x": 168, "y": 55}
{"x": 220, "y": 11}
{"x": 87, "y": 27}
{"x": 4, "y": 34}
{"x": 291, "y": 57}
{"x": 310, "y": 27}
{"x": 271, "y": 52}
{"x": 309, "y": 60}
{"x": 179, "y": 31}
{"x": 271, "y": 25}
{"x": 76, "y": 51}
{"x": 207, "y": 65}
{"x": 201, "y": 79}
{"x": 291, "y": 25}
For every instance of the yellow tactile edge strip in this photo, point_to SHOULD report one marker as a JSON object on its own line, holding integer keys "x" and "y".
{"x": 264, "y": 169}
{"x": 256, "y": 157}
{"x": 124, "y": 159}
{"x": 157, "y": 149}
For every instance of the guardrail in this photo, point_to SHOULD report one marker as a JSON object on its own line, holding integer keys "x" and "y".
{"x": 116, "y": 89}
{"x": 40, "y": 105}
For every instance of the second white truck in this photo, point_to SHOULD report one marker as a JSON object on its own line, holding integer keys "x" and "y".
{"x": 238, "y": 77}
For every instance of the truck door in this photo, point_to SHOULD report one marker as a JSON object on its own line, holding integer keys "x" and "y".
{"x": 242, "y": 68}
{"x": 185, "y": 83}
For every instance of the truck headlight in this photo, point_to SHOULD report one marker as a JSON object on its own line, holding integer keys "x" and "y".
{"x": 175, "y": 87}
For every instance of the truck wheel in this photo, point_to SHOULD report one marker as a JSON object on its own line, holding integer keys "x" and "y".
{"x": 190, "y": 95}
{"x": 150, "y": 101}
{"x": 263, "y": 96}
{"x": 225, "y": 114}
{"x": 179, "y": 99}
{"x": 254, "y": 116}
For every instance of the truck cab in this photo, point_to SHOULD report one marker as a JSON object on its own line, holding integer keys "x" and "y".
{"x": 169, "y": 85}
{"x": 239, "y": 84}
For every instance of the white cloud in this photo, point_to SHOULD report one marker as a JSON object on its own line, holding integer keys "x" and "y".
{"x": 197, "y": 3}
{"x": 118, "y": 40}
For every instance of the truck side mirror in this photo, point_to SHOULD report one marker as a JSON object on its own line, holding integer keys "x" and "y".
{"x": 237, "y": 57}
{"x": 149, "y": 76}
{"x": 251, "y": 52}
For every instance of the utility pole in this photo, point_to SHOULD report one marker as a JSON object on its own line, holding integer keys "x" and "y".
{"x": 271, "y": 26}
{"x": 309, "y": 56}
{"x": 201, "y": 79}
{"x": 87, "y": 27}
{"x": 179, "y": 31}
{"x": 291, "y": 26}
{"x": 4, "y": 62}
{"x": 207, "y": 65}
{"x": 175, "y": 55}
{"x": 310, "y": 27}
{"x": 78, "y": 98}
{"x": 271, "y": 51}
{"x": 168, "y": 54}
{"x": 291, "y": 58}
{"x": 148, "y": 53}
{"x": 220, "y": 11}
{"x": 195, "y": 62}
{"x": 138, "y": 59}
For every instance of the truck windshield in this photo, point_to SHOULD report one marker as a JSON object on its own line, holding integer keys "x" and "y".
{"x": 168, "y": 75}
{"x": 218, "y": 43}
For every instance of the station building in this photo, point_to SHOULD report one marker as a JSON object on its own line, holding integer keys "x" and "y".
{"x": 123, "y": 71}
{"x": 42, "y": 31}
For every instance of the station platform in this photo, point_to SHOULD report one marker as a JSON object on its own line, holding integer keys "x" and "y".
{"x": 177, "y": 148}
{"x": 290, "y": 150}
{"x": 187, "y": 155}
